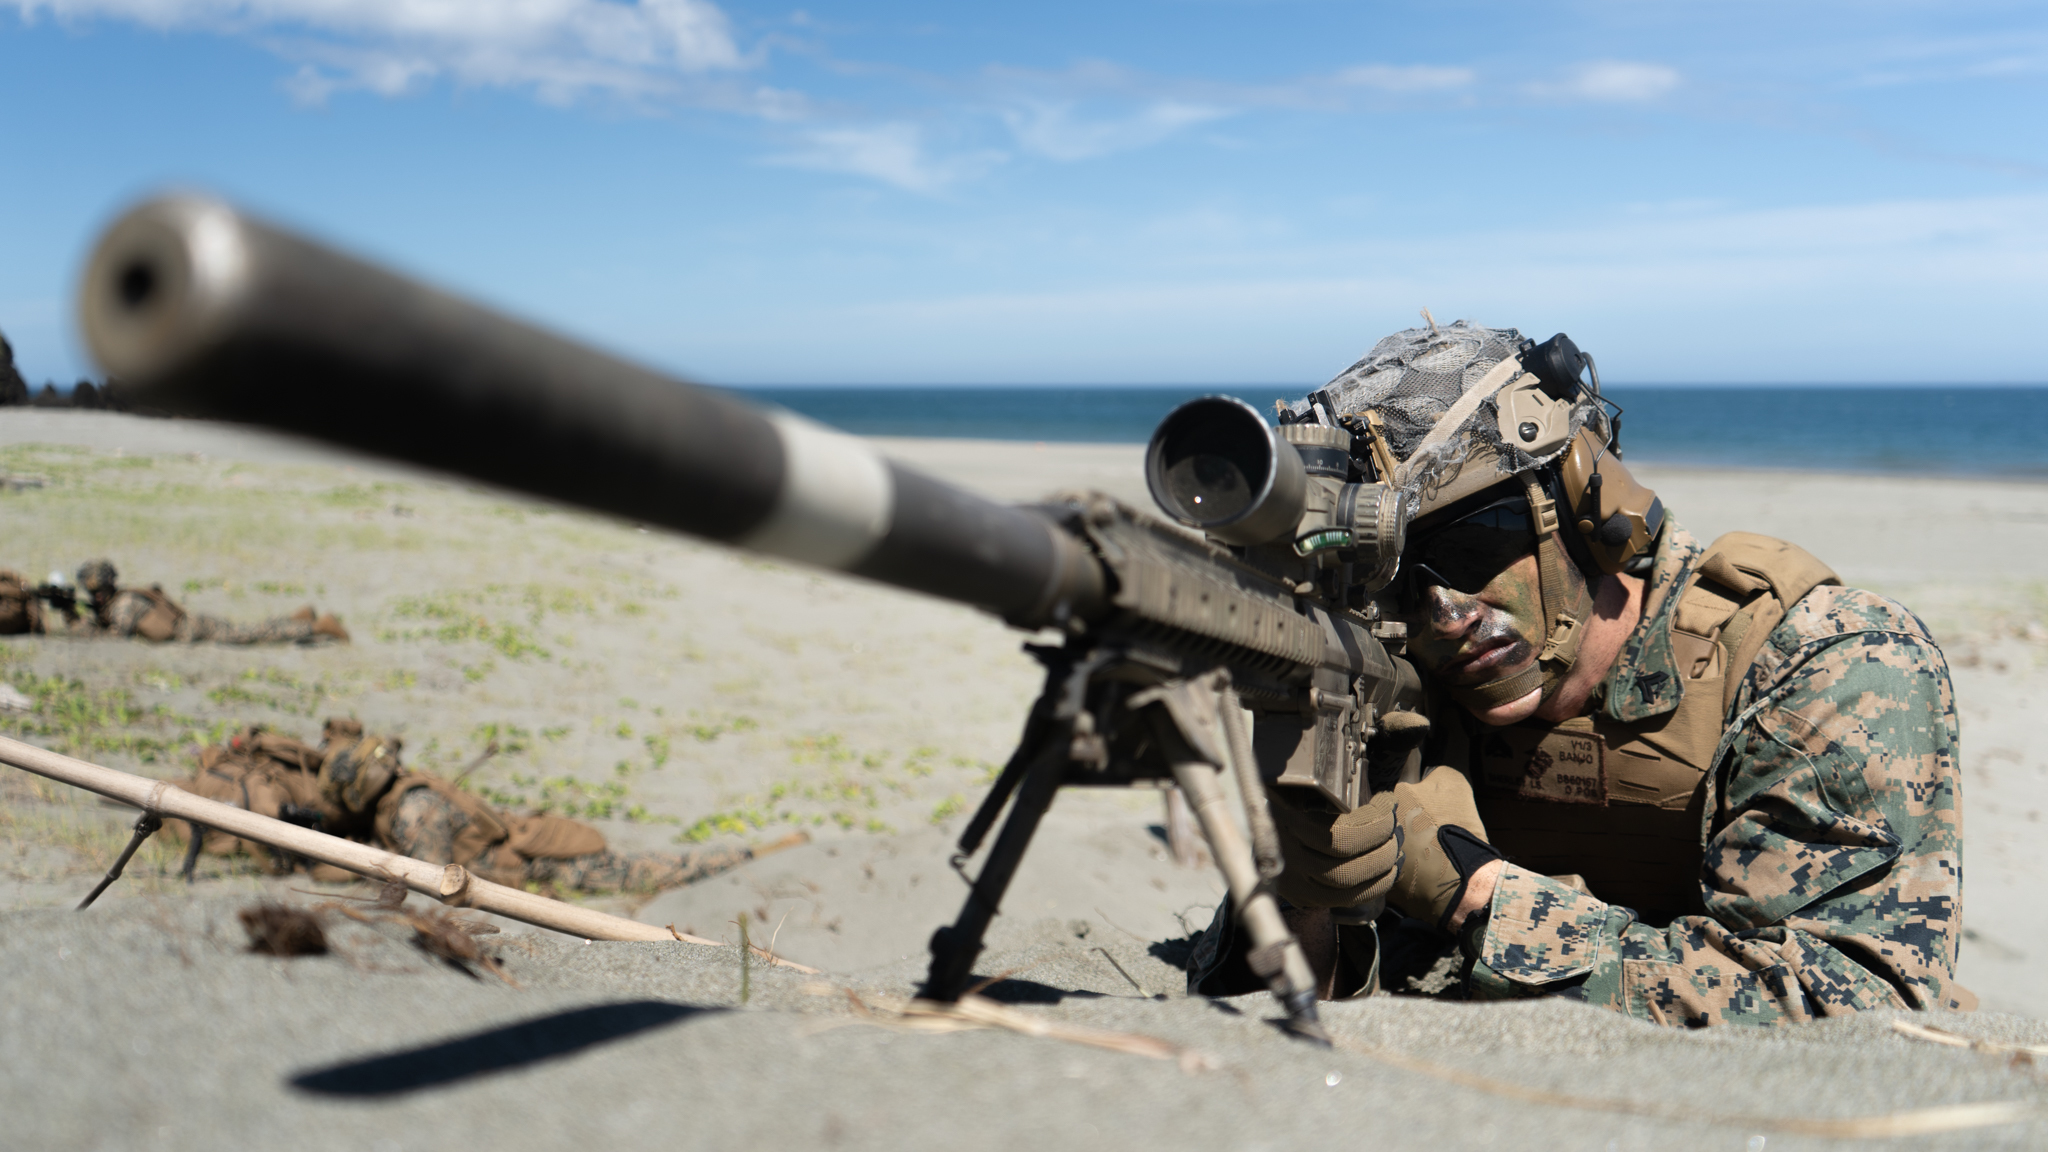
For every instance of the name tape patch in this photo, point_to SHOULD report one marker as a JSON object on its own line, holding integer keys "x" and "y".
{"x": 1558, "y": 766}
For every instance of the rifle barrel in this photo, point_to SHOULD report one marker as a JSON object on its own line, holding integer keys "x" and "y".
{"x": 204, "y": 311}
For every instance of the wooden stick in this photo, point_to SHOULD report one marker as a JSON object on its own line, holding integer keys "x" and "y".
{"x": 450, "y": 883}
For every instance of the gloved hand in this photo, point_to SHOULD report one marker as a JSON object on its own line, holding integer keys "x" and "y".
{"x": 1445, "y": 845}
{"x": 1417, "y": 845}
{"x": 1335, "y": 860}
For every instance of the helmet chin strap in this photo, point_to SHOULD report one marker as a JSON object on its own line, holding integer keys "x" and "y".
{"x": 1561, "y": 647}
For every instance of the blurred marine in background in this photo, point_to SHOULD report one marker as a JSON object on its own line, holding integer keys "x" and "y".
{"x": 354, "y": 785}
{"x": 1693, "y": 784}
{"x": 146, "y": 613}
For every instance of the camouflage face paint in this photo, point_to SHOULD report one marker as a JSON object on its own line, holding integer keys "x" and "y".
{"x": 1466, "y": 640}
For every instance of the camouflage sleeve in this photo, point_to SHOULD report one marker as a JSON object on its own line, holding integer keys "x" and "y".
{"x": 1832, "y": 881}
{"x": 276, "y": 630}
{"x": 126, "y": 611}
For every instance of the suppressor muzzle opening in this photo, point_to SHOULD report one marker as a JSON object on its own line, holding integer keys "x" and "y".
{"x": 156, "y": 283}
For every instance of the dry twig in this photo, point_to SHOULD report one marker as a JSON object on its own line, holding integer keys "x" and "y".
{"x": 974, "y": 1012}
{"x": 763, "y": 953}
{"x": 1950, "y": 1039}
{"x": 453, "y": 939}
{"x": 983, "y": 1011}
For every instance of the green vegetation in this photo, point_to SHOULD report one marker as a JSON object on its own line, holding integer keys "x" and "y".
{"x": 272, "y": 688}
{"x": 451, "y": 618}
{"x": 706, "y": 733}
{"x": 76, "y": 719}
{"x": 510, "y": 738}
{"x": 363, "y": 495}
{"x": 854, "y": 780}
{"x": 562, "y": 796}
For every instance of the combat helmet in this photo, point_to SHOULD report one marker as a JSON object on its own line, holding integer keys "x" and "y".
{"x": 357, "y": 769}
{"x": 97, "y": 578}
{"x": 1453, "y": 413}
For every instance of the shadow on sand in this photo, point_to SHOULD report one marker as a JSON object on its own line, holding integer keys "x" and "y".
{"x": 498, "y": 1050}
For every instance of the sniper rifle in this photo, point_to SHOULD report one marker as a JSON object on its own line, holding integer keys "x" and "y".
{"x": 1168, "y": 638}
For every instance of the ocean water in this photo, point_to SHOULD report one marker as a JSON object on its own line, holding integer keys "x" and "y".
{"x": 1980, "y": 431}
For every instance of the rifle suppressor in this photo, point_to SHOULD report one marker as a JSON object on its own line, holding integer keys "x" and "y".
{"x": 203, "y": 311}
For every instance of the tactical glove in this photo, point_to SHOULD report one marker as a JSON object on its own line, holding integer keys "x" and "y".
{"x": 1417, "y": 845}
{"x": 1445, "y": 844}
{"x": 1335, "y": 860}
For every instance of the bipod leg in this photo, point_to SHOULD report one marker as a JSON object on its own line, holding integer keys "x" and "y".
{"x": 1060, "y": 703}
{"x": 1195, "y": 737}
{"x": 190, "y": 869}
{"x": 956, "y": 946}
{"x": 147, "y": 823}
{"x": 1006, "y": 783}
{"x": 1275, "y": 956}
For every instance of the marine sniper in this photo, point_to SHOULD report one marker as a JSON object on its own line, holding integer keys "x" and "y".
{"x": 1501, "y": 703}
{"x": 1693, "y": 783}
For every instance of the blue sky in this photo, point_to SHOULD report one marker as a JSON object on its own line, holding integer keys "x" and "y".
{"x": 1184, "y": 191}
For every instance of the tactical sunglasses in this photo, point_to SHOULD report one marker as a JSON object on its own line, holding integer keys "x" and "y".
{"x": 1467, "y": 553}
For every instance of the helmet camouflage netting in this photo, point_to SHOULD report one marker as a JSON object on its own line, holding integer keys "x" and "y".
{"x": 97, "y": 576}
{"x": 1413, "y": 377}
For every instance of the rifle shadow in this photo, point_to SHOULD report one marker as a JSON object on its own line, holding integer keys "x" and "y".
{"x": 497, "y": 1050}
{"x": 1012, "y": 991}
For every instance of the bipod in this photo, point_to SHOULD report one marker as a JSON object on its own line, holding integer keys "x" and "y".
{"x": 1196, "y": 730}
{"x": 145, "y": 824}
{"x": 1034, "y": 774}
{"x": 190, "y": 868}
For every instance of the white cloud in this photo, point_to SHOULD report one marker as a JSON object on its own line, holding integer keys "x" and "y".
{"x": 891, "y": 153}
{"x": 1405, "y": 78}
{"x": 1618, "y": 82}
{"x": 560, "y": 47}
{"x": 1053, "y": 130}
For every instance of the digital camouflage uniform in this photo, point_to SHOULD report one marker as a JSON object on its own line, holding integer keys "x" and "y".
{"x": 1831, "y": 832}
{"x": 353, "y": 786}
{"x": 427, "y": 825}
{"x": 124, "y": 615}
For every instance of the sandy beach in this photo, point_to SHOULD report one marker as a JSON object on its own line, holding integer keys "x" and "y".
{"x": 675, "y": 693}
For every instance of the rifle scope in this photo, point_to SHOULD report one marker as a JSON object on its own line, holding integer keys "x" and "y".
{"x": 1215, "y": 464}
